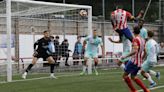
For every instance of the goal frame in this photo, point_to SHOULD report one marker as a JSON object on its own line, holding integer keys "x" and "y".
{"x": 9, "y": 25}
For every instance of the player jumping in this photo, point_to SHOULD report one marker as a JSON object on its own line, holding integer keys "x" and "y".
{"x": 91, "y": 51}
{"x": 119, "y": 19}
{"x": 42, "y": 51}
{"x": 134, "y": 65}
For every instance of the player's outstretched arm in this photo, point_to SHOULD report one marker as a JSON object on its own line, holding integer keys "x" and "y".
{"x": 35, "y": 44}
{"x": 140, "y": 16}
{"x": 35, "y": 47}
{"x": 118, "y": 41}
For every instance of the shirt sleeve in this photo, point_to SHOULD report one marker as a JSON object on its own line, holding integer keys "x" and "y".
{"x": 128, "y": 14}
{"x": 36, "y": 43}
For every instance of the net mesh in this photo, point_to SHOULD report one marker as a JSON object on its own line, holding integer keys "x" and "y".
{"x": 29, "y": 20}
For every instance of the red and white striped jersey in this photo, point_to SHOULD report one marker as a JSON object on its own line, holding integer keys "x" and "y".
{"x": 119, "y": 18}
{"x": 140, "y": 44}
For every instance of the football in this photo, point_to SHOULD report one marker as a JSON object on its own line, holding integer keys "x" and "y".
{"x": 83, "y": 13}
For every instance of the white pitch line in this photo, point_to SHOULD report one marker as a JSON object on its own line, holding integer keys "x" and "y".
{"x": 40, "y": 78}
{"x": 69, "y": 75}
{"x": 158, "y": 87}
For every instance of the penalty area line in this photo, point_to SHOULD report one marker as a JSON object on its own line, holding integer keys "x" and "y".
{"x": 40, "y": 78}
{"x": 58, "y": 76}
{"x": 154, "y": 88}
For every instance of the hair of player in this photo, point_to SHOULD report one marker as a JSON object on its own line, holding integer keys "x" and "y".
{"x": 136, "y": 30}
{"x": 150, "y": 33}
{"x": 119, "y": 6}
{"x": 45, "y": 31}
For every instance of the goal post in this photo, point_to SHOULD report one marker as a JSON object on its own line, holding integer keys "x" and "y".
{"x": 8, "y": 29}
{"x": 26, "y": 20}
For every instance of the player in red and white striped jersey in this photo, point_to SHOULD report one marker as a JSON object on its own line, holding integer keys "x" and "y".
{"x": 138, "y": 43}
{"x": 119, "y": 19}
{"x": 134, "y": 65}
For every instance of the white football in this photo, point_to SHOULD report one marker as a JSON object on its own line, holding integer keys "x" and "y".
{"x": 83, "y": 13}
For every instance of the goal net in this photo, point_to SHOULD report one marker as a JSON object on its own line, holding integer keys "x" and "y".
{"x": 23, "y": 22}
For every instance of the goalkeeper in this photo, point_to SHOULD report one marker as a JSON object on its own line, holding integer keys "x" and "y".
{"x": 43, "y": 50}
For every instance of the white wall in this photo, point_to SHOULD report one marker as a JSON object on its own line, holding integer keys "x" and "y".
{"x": 26, "y": 45}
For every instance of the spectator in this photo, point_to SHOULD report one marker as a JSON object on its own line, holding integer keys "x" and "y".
{"x": 56, "y": 43}
{"x": 65, "y": 51}
{"x": 56, "y": 55}
{"x": 78, "y": 51}
{"x": 51, "y": 51}
{"x": 161, "y": 51}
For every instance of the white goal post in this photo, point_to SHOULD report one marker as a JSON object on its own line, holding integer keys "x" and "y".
{"x": 37, "y": 10}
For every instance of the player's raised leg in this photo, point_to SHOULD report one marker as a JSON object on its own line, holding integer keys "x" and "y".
{"x": 34, "y": 60}
{"x": 156, "y": 74}
{"x": 148, "y": 77}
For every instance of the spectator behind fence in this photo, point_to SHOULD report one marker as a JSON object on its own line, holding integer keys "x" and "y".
{"x": 52, "y": 49}
{"x": 57, "y": 50}
{"x": 161, "y": 51}
{"x": 78, "y": 51}
{"x": 65, "y": 51}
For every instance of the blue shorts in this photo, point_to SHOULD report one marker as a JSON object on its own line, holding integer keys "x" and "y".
{"x": 131, "y": 68}
{"x": 126, "y": 32}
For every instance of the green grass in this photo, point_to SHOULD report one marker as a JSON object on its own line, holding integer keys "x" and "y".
{"x": 107, "y": 81}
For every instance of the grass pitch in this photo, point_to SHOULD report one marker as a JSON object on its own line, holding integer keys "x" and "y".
{"x": 106, "y": 81}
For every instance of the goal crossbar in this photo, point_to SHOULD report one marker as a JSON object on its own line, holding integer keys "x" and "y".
{"x": 49, "y": 3}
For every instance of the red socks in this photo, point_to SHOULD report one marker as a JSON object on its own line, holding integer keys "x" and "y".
{"x": 129, "y": 83}
{"x": 140, "y": 83}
